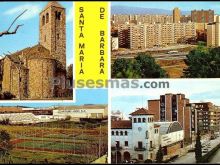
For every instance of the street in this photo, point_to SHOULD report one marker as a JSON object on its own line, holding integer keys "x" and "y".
{"x": 208, "y": 145}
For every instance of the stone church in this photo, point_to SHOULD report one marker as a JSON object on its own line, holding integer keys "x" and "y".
{"x": 30, "y": 73}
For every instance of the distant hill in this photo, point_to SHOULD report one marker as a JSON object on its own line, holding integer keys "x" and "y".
{"x": 140, "y": 10}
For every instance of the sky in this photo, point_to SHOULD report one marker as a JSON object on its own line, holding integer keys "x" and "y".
{"x": 28, "y": 35}
{"x": 83, "y": 96}
{"x": 169, "y": 5}
{"x": 197, "y": 90}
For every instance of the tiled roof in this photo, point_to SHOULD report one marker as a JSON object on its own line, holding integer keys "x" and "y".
{"x": 121, "y": 124}
{"x": 37, "y": 51}
{"x": 141, "y": 111}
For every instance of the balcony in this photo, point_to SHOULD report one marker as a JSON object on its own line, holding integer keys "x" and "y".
{"x": 151, "y": 148}
{"x": 139, "y": 148}
{"x": 114, "y": 148}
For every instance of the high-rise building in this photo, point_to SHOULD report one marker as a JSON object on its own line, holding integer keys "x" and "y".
{"x": 176, "y": 15}
{"x": 137, "y": 37}
{"x": 213, "y": 33}
{"x": 205, "y": 117}
{"x": 149, "y": 35}
{"x": 202, "y": 16}
{"x": 124, "y": 36}
{"x": 172, "y": 107}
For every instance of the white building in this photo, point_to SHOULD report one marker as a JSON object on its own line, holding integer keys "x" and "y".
{"x": 140, "y": 138}
{"x": 114, "y": 43}
{"x": 84, "y": 111}
{"x": 117, "y": 115}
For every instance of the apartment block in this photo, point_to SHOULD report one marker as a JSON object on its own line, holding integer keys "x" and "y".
{"x": 137, "y": 37}
{"x": 140, "y": 18}
{"x": 176, "y": 15}
{"x": 213, "y": 33}
{"x": 172, "y": 107}
{"x": 124, "y": 36}
{"x": 202, "y": 16}
{"x": 205, "y": 117}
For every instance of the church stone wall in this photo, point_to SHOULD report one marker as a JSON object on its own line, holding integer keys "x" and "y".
{"x": 41, "y": 75}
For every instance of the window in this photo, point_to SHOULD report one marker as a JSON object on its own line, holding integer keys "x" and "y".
{"x": 140, "y": 157}
{"x": 57, "y": 15}
{"x": 126, "y": 133}
{"x": 117, "y": 133}
{"x": 140, "y": 145}
{"x": 43, "y": 20}
{"x": 121, "y": 133}
{"x": 47, "y": 18}
{"x": 151, "y": 144}
{"x": 147, "y": 136}
{"x": 117, "y": 144}
{"x": 126, "y": 143}
{"x": 143, "y": 120}
{"x": 139, "y": 120}
{"x": 45, "y": 38}
{"x": 113, "y": 133}
{"x": 58, "y": 36}
{"x": 135, "y": 120}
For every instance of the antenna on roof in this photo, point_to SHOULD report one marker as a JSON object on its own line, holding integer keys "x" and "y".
{"x": 142, "y": 101}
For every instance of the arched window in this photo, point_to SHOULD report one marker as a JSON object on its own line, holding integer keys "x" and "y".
{"x": 43, "y": 20}
{"x": 57, "y": 15}
{"x": 144, "y": 120}
{"x": 113, "y": 133}
{"x": 116, "y": 133}
{"x": 139, "y": 120}
{"x": 47, "y": 18}
{"x": 126, "y": 133}
{"x": 121, "y": 133}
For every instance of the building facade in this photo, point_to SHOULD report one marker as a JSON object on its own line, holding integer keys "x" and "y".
{"x": 142, "y": 36}
{"x": 205, "y": 118}
{"x": 176, "y": 15}
{"x": 202, "y": 16}
{"x": 213, "y": 33}
{"x": 172, "y": 107}
{"x": 140, "y": 137}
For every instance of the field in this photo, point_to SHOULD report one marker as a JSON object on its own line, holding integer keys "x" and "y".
{"x": 57, "y": 142}
{"x": 174, "y": 68}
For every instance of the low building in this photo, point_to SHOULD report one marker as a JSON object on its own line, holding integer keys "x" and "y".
{"x": 117, "y": 115}
{"x": 140, "y": 137}
{"x": 28, "y": 115}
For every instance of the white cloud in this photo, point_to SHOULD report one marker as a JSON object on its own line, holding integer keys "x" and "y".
{"x": 69, "y": 17}
{"x": 33, "y": 10}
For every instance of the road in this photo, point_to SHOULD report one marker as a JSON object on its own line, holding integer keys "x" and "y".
{"x": 216, "y": 158}
{"x": 208, "y": 145}
{"x": 161, "y": 56}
